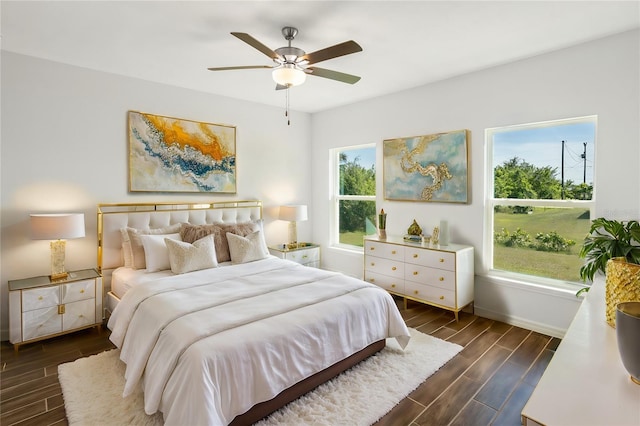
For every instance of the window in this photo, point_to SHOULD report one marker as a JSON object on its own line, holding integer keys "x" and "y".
{"x": 354, "y": 194}
{"x": 540, "y": 198}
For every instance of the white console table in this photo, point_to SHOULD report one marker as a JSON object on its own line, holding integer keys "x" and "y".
{"x": 585, "y": 383}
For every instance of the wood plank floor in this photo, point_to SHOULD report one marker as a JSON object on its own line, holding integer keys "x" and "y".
{"x": 487, "y": 383}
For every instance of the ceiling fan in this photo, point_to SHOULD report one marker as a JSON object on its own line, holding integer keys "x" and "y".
{"x": 292, "y": 64}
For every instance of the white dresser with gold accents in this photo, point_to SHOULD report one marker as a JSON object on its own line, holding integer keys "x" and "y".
{"x": 441, "y": 276}
{"x": 40, "y": 308}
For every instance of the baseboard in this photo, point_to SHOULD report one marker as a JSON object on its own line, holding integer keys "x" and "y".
{"x": 520, "y": 322}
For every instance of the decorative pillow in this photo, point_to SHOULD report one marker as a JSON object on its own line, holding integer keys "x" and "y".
{"x": 133, "y": 251}
{"x": 187, "y": 257}
{"x": 156, "y": 253}
{"x": 191, "y": 233}
{"x": 247, "y": 249}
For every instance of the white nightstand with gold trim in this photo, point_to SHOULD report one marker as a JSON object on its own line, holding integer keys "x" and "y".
{"x": 40, "y": 308}
{"x": 306, "y": 254}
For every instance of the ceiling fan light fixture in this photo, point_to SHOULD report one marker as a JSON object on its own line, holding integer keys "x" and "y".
{"x": 288, "y": 75}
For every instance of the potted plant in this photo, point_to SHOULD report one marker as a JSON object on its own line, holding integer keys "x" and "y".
{"x": 613, "y": 248}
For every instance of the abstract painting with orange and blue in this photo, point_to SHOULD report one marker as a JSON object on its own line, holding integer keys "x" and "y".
{"x": 176, "y": 155}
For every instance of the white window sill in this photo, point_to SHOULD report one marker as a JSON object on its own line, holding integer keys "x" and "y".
{"x": 563, "y": 289}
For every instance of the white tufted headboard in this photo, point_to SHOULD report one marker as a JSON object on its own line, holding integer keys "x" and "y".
{"x": 113, "y": 217}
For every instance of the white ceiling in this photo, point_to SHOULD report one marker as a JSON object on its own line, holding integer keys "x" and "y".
{"x": 406, "y": 44}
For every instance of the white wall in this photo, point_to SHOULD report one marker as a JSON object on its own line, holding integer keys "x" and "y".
{"x": 597, "y": 78}
{"x": 64, "y": 148}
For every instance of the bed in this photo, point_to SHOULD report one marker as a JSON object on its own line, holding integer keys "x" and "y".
{"x": 232, "y": 342}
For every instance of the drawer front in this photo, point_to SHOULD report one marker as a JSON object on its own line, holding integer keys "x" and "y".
{"x": 304, "y": 256}
{"x": 431, "y": 258}
{"x": 39, "y": 298}
{"x": 431, "y": 294}
{"x": 383, "y": 266}
{"x": 430, "y": 276}
{"x": 80, "y": 290}
{"x": 388, "y": 251}
{"x": 41, "y": 322}
{"x": 79, "y": 314}
{"x": 393, "y": 284}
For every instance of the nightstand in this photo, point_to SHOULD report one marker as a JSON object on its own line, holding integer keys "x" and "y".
{"x": 306, "y": 254}
{"x": 40, "y": 308}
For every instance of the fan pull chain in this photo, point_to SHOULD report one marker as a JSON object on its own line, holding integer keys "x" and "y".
{"x": 286, "y": 111}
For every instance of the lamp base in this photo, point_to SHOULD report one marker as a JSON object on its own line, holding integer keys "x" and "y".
{"x": 293, "y": 235}
{"x": 59, "y": 276}
{"x": 57, "y": 260}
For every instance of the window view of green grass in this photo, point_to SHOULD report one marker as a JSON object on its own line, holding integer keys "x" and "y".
{"x": 353, "y": 238}
{"x": 568, "y": 223}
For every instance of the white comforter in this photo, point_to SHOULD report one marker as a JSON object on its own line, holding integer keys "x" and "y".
{"x": 211, "y": 344}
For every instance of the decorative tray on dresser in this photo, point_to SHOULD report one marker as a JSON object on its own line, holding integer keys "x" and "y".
{"x": 441, "y": 276}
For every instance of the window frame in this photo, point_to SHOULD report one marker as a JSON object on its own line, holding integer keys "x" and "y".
{"x": 336, "y": 197}
{"x": 491, "y": 202}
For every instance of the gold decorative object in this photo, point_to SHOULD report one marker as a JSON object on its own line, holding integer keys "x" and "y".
{"x": 435, "y": 237}
{"x": 414, "y": 228}
{"x": 622, "y": 285}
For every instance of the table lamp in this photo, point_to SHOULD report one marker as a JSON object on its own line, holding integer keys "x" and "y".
{"x": 293, "y": 214}
{"x": 58, "y": 228}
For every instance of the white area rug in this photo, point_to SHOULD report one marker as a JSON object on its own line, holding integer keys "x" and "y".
{"x": 92, "y": 388}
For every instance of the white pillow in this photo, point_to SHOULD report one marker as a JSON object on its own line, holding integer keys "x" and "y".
{"x": 156, "y": 254}
{"x": 186, "y": 257}
{"x": 247, "y": 249}
{"x": 132, "y": 249}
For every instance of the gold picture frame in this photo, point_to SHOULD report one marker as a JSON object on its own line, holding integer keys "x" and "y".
{"x": 169, "y": 154}
{"x": 428, "y": 168}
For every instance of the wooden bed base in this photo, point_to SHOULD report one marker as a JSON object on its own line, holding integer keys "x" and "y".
{"x": 263, "y": 409}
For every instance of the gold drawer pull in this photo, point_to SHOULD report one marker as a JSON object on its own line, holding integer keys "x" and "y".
{"x": 40, "y": 298}
{"x": 372, "y": 248}
{"x": 393, "y": 286}
{"x": 415, "y": 272}
{"x": 82, "y": 291}
{"x": 372, "y": 280}
{"x": 441, "y": 297}
{"x": 304, "y": 256}
{"x": 415, "y": 292}
{"x": 393, "y": 252}
{"x": 373, "y": 264}
{"x": 393, "y": 268}
{"x": 441, "y": 278}
{"x": 60, "y": 309}
{"x": 415, "y": 255}
{"x": 441, "y": 260}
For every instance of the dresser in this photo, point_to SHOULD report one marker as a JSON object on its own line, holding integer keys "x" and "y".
{"x": 307, "y": 255}
{"x": 40, "y": 308}
{"x": 441, "y": 276}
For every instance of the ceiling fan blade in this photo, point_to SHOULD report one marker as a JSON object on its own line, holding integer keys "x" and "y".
{"x": 257, "y": 45}
{"x": 338, "y": 50}
{"x": 333, "y": 75}
{"x": 244, "y": 67}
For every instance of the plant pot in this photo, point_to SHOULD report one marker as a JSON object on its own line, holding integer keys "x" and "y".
{"x": 628, "y": 335}
{"x": 622, "y": 285}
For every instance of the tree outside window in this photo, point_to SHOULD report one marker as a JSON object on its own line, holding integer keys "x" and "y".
{"x": 355, "y": 194}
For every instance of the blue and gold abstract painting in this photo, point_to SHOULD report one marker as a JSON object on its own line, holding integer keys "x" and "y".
{"x": 430, "y": 168}
{"x": 175, "y": 155}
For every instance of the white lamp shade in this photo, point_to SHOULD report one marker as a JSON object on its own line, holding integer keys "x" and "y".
{"x": 288, "y": 75}
{"x": 60, "y": 226}
{"x": 293, "y": 213}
